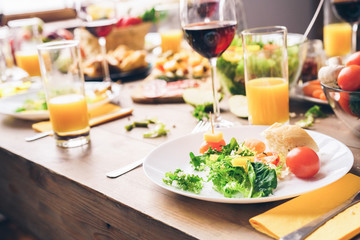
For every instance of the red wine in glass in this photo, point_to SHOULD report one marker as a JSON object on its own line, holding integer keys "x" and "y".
{"x": 348, "y": 10}
{"x": 207, "y": 9}
{"x": 210, "y": 39}
{"x": 100, "y": 28}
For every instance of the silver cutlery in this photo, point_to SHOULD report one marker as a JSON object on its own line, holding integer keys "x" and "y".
{"x": 312, "y": 226}
{"x": 38, "y": 136}
{"x": 200, "y": 127}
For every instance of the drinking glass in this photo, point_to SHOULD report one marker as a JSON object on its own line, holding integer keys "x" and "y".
{"x": 99, "y": 18}
{"x": 266, "y": 74}
{"x": 26, "y": 36}
{"x": 63, "y": 82}
{"x": 209, "y": 27}
{"x": 349, "y": 11}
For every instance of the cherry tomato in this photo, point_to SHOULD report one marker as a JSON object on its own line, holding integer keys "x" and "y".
{"x": 303, "y": 162}
{"x": 349, "y": 78}
{"x": 217, "y": 145}
{"x": 267, "y": 158}
{"x": 354, "y": 59}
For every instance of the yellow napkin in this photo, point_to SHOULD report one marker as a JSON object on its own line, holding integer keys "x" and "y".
{"x": 295, "y": 213}
{"x": 104, "y": 113}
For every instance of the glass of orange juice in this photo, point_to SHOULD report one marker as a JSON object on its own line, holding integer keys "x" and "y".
{"x": 27, "y": 35}
{"x": 266, "y": 74}
{"x": 63, "y": 81}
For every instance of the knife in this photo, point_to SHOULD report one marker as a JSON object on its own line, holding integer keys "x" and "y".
{"x": 127, "y": 168}
{"x": 312, "y": 226}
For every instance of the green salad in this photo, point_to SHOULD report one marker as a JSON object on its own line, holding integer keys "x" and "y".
{"x": 251, "y": 180}
{"x": 230, "y": 65}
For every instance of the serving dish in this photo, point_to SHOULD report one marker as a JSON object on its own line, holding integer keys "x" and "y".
{"x": 335, "y": 158}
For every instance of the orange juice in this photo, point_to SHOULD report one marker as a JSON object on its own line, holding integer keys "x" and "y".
{"x": 68, "y": 113}
{"x": 337, "y": 39}
{"x": 29, "y": 61}
{"x": 171, "y": 40}
{"x": 268, "y": 100}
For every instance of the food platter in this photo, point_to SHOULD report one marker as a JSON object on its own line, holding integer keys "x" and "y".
{"x": 8, "y": 105}
{"x": 140, "y": 72}
{"x": 335, "y": 159}
{"x": 297, "y": 93}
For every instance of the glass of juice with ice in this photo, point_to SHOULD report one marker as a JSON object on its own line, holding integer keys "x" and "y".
{"x": 63, "y": 81}
{"x": 266, "y": 74}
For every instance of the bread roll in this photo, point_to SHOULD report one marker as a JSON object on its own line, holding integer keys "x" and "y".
{"x": 283, "y": 138}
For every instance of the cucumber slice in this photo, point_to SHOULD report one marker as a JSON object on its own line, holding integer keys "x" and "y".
{"x": 238, "y": 106}
{"x": 196, "y": 97}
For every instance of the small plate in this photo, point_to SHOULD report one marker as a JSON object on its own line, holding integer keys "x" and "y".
{"x": 8, "y": 105}
{"x": 335, "y": 161}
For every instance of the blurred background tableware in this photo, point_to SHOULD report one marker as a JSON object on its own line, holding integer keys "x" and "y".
{"x": 169, "y": 27}
{"x": 346, "y": 105}
{"x": 209, "y": 27}
{"x": 315, "y": 59}
{"x": 63, "y": 82}
{"x": 99, "y": 18}
{"x": 267, "y": 86}
{"x": 26, "y": 35}
{"x": 349, "y": 11}
{"x": 336, "y": 33}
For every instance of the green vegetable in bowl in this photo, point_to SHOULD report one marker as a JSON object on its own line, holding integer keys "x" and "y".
{"x": 230, "y": 65}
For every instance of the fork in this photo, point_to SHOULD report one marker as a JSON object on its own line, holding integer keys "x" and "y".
{"x": 200, "y": 127}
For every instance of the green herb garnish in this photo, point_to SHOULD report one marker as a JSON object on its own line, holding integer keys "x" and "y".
{"x": 310, "y": 115}
{"x": 200, "y": 113}
{"x": 187, "y": 182}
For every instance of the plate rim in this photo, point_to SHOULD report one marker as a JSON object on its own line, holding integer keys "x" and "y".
{"x": 44, "y": 114}
{"x": 223, "y": 199}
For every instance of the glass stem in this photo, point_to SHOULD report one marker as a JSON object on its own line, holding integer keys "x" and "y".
{"x": 353, "y": 40}
{"x": 216, "y": 107}
{"x": 102, "y": 43}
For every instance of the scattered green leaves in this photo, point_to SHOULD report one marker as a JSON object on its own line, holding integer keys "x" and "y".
{"x": 153, "y": 16}
{"x": 157, "y": 131}
{"x": 310, "y": 115}
{"x": 188, "y": 182}
{"x": 200, "y": 113}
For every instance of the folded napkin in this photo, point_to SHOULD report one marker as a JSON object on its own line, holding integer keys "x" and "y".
{"x": 104, "y": 113}
{"x": 295, "y": 213}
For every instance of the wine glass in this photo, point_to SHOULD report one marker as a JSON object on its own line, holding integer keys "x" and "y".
{"x": 209, "y": 27}
{"x": 349, "y": 11}
{"x": 99, "y": 18}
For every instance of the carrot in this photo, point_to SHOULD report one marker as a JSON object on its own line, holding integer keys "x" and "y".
{"x": 323, "y": 97}
{"x": 317, "y": 93}
{"x": 314, "y": 82}
{"x": 310, "y": 88}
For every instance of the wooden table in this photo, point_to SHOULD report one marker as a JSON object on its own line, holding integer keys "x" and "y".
{"x": 64, "y": 194}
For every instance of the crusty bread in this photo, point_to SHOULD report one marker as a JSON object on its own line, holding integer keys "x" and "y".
{"x": 283, "y": 138}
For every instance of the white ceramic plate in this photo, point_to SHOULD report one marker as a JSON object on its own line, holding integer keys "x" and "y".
{"x": 8, "y": 105}
{"x": 335, "y": 158}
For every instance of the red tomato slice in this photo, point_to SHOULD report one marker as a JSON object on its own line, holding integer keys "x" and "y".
{"x": 303, "y": 162}
{"x": 267, "y": 158}
{"x": 206, "y": 145}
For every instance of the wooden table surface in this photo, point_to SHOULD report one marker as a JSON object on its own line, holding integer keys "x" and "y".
{"x": 64, "y": 194}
